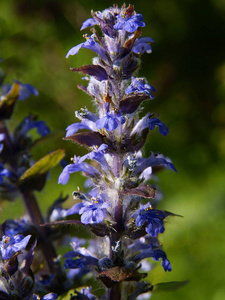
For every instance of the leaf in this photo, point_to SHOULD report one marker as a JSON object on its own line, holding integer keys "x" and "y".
{"x": 83, "y": 88}
{"x": 145, "y": 191}
{"x": 118, "y": 274}
{"x": 169, "y": 286}
{"x": 92, "y": 70}
{"x": 129, "y": 104}
{"x": 62, "y": 222}
{"x": 8, "y": 101}
{"x": 66, "y": 296}
{"x": 34, "y": 177}
{"x": 87, "y": 138}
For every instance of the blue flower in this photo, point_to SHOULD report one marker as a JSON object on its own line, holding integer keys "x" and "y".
{"x": 98, "y": 155}
{"x": 129, "y": 24}
{"x": 142, "y": 45}
{"x": 144, "y": 243}
{"x": 138, "y": 85}
{"x": 149, "y": 246}
{"x": 26, "y": 90}
{"x": 152, "y": 161}
{"x": 78, "y": 253}
{"x": 84, "y": 113}
{"x": 14, "y": 227}
{"x": 84, "y": 124}
{"x": 10, "y": 245}
{"x": 29, "y": 123}
{"x": 153, "y": 122}
{"x": 88, "y": 23}
{"x": 85, "y": 294}
{"x": 49, "y": 296}
{"x": 57, "y": 213}
{"x": 78, "y": 165}
{"x": 152, "y": 218}
{"x": 88, "y": 44}
{"x": 111, "y": 120}
{"x": 79, "y": 258}
{"x": 2, "y": 137}
{"x": 93, "y": 212}
{"x": 73, "y": 128}
{"x": 156, "y": 254}
{"x": 74, "y": 209}
{"x": 3, "y": 173}
{"x": 88, "y": 120}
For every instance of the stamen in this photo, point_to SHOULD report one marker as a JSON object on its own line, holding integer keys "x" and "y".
{"x": 86, "y": 36}
{"x": 148, "y": 207}
{"x": 73, "y": 159}
{"x": 6, "y": 239}
{"x": 94, "y": 200}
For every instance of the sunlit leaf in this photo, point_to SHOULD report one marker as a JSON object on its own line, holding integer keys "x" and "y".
{"x": 34, "y": 177}
{"x": 8, "y": 101}
{"x": 66, "y": 296}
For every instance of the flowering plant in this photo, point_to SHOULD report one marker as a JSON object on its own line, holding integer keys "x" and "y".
{"x": 115, "y": 206}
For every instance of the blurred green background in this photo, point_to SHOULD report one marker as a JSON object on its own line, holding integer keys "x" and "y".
{"x": 187, "y": 67}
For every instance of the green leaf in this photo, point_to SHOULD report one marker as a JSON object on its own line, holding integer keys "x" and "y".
{"x": 34, "y": 178}
{"x": 169, "y": 286}
{"x": 66, "y": 296}
{"x": 8, "y": 101}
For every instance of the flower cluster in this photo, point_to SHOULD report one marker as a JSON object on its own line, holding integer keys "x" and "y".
{"x": 22, "y": 241}
{"x": 115, "y": 136}
{"x": 118, "y": 203}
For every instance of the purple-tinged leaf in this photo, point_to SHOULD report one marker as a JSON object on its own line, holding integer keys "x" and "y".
{"x": 129, "y": 104}
{"x": 93, "y": 70}
{"x": 145, "y": 191}
{"x": 83, "y": 88}
{"x": 86, "y": 138}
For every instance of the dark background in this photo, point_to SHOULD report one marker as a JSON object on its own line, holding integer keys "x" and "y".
{"x": 187, "y": 67}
